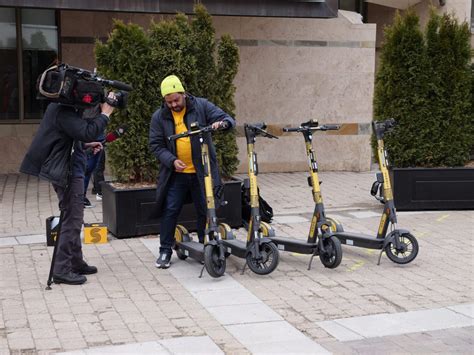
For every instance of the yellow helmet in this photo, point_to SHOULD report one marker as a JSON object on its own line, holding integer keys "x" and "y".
{"x": 170, "y": 85}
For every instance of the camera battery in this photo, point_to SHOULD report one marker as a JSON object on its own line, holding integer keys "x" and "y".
{"x": 95, "y": 233}
{"x": 51, "y": 230}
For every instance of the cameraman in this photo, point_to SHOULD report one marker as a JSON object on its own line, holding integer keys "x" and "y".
{"x": 57, "y": 155}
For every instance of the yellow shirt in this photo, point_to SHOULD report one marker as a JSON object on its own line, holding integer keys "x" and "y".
{"x": 183, "y": 145}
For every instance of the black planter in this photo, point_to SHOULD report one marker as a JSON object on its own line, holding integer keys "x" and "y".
{"x": 433, "y": 188}
{"x": 126, "y": 212}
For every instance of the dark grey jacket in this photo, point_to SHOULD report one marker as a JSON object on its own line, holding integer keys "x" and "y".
{"x": 162, "y": 126}
{"x": 50, "y": 152}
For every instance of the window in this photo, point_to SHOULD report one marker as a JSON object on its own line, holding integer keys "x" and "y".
{"x": 40, "y": 51}
{"x": 22, "y": 61}
{"x": 9, "y": 105}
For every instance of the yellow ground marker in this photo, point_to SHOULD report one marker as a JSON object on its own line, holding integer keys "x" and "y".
{"x": 442, "y": 218}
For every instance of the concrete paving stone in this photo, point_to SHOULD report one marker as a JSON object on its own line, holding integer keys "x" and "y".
{"x": 16, "y": 323}
{"x": 241, "y": 314}
{"x": 136, "y": 348}
{"x": 225, "y": 297}
{"x": 465, "y": 309}
{"x": 47, "y": 344}
{"x": 8, "y": 241}
{"x": 202, "y": 345}
{"x": 31, "y": 239}
{"x": 75, "y": 344}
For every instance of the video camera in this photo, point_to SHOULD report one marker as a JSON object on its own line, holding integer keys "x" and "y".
{"x": 79, "y": 87}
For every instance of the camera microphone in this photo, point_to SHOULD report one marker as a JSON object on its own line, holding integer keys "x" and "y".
{"x": 117, "y": 85}
{"x": 112, "y": 136}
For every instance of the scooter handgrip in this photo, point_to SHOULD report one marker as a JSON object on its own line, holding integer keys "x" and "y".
{"x": 176, "y": 136}
{"x": 290, "y": 129}
{"x": 329, "y": 127}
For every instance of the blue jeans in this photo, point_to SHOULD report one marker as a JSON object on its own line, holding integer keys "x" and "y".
{"x": 180, "y": 185}
{"x": 92, "y": 160}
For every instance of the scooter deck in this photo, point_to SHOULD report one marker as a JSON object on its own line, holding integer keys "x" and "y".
{"x": 294, "y": 245}
{"x": 359, "y": 240}
{"x": 192, "y": 249}
{"x": 235, "y": 247}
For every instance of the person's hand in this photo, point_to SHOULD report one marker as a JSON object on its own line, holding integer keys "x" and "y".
{"x": 179, "y": 165}
{"x": 105, "y": 108}
{"x": 96, "y": 146}
{"x": 217, "y": 125}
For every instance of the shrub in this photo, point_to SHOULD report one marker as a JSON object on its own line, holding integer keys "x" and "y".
{"x": 424, "y": 83}
{"x": 186, "y": 48}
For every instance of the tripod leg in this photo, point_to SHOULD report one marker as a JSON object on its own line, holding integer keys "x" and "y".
{"x": 55, "y": 250}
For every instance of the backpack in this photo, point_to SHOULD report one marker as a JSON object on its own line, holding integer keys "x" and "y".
{"x": 265, "y": 210}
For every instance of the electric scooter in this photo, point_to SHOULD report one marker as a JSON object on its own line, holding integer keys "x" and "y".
{"x": 400, "y": 245}
{"x": 212, "y": 253}
{"x": 320, "y": 240}
{"x": 260, "y": 253}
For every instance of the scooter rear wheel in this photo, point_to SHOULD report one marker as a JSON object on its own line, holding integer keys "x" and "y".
{"x": 214, "y": 266}
{"x": 179, "y": 235}
{"x": 408, "y": 251}
{"x": 268, "y": 262}
{"x": 332, "y": 257}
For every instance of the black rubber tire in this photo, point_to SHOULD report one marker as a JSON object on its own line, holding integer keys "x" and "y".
{"x": 410, "y": 245}
{"x": 180, "y": 254}
{"x": 269, "y": 262}
{"x": 179, "y": 233}
{"x": 333, "y": 255}
{"x": 214, "y": 266}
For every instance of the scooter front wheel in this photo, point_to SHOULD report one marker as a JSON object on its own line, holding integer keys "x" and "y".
{"x": 180, "y": 234}
{"x": 406, "y": 253}
{"x": 332, "y": 256}
{"x": 268, "y": 261}
{"x": 214, "y": 265}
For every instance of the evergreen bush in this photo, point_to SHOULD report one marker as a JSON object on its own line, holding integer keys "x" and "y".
{"x": 186, "y": 48}
{"x": 424, "y": 82}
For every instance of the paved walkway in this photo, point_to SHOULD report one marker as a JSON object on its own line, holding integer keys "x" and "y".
{"x": 132, "y": 307}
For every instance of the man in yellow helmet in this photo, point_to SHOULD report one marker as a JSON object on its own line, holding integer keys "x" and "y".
{"x": 181, "y": 171}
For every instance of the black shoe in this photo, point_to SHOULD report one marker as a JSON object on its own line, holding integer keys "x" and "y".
{"x": 164, "y": 260}
{"x": 87, "y": 203}
{"x": 85, "y": 269}
{"x": 69, "y": 278}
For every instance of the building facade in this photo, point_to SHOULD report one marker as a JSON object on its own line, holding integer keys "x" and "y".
{"x": 299, "y": 60}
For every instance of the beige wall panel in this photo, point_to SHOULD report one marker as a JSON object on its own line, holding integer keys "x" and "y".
{"x": 287, "y": 84}
{"x": 289, "y": 29}
{"x": 344, "y": 153}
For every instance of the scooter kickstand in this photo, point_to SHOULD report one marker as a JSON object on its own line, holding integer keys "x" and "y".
{"x": 380, "y": 257}
{"x": 202, "y": 270}
{"x": 243, "y": 269}
{"x": 311, "y": 261}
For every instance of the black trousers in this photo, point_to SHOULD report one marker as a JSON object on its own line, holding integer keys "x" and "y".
{"x": 69, "y": 250}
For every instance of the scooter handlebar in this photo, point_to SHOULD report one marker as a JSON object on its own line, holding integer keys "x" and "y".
{"x": 305, "y": 127}
{"x": 259, "y": 129}
{"x": 194, "y": 132}
{"x": 329, "y": 127}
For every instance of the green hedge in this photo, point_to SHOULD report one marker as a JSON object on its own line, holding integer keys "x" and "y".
{"x": 186, "y": 48}
{"x": 425, "y": 83}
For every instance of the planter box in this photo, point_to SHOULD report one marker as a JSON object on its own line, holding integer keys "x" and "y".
{"x": 433, "y": 188}
{"x": 126, "y": 212}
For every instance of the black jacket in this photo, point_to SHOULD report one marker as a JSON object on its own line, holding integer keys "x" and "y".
{"x": 50, "y": 152}
{"x": 162, "y": 126}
